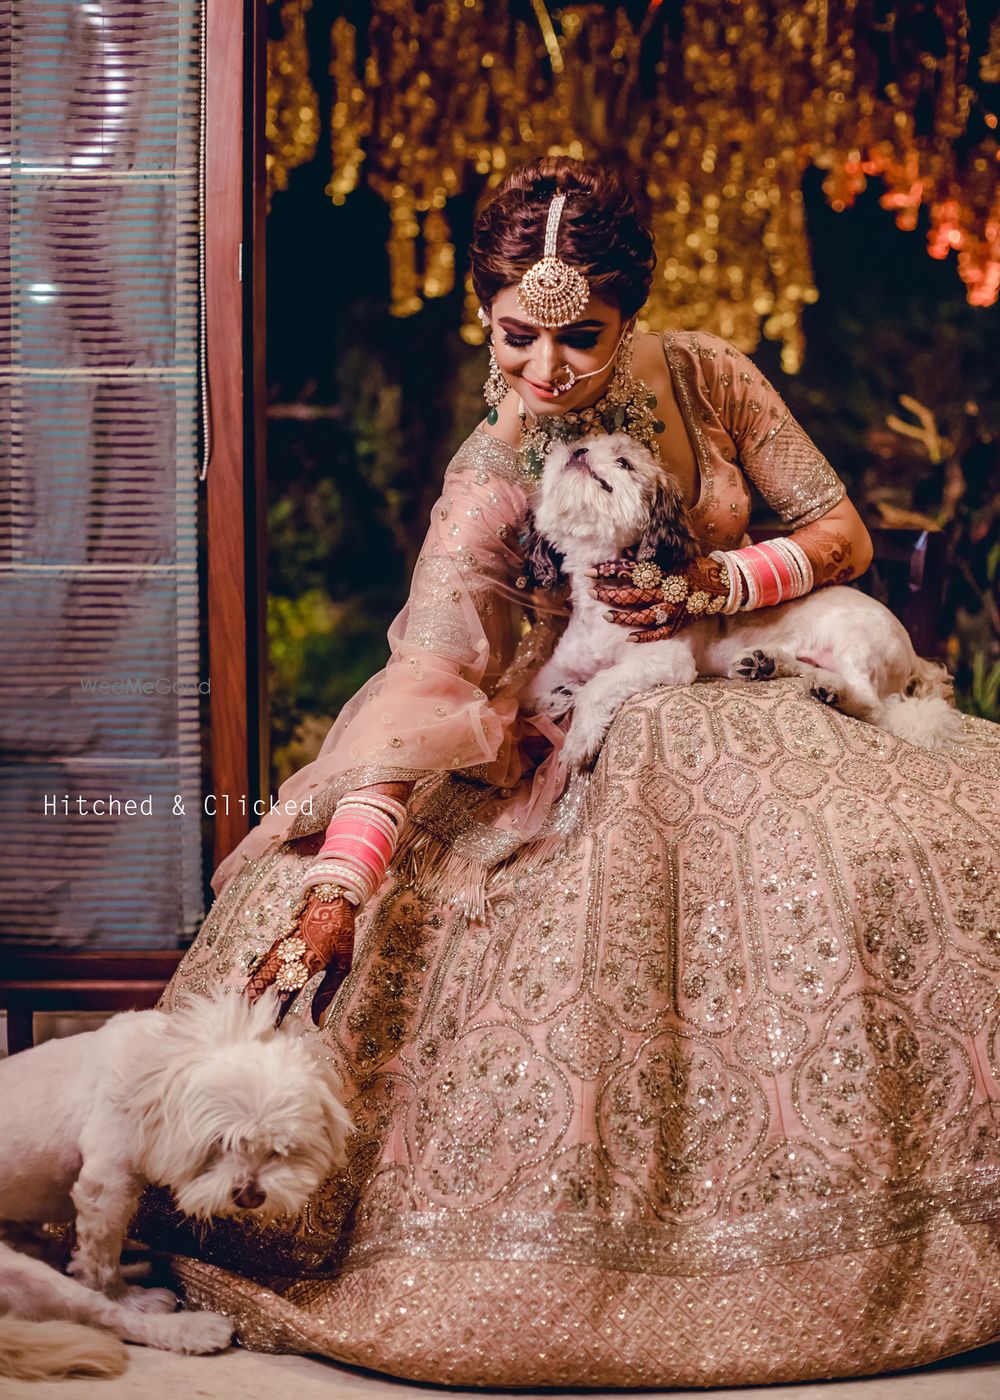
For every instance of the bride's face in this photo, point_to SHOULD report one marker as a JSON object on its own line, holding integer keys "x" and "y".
{"x": 531, "y": 356}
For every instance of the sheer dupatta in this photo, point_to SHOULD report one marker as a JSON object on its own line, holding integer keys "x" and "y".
{"x": 445, "y": 711}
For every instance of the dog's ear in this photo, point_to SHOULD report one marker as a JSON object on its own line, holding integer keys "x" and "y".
{"x": 541, "y": 562}
{"x": 668, "y": 534}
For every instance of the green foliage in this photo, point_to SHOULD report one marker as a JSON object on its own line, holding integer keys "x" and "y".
{"x": 983, "y": 695}
{"x": 320, "y": 654}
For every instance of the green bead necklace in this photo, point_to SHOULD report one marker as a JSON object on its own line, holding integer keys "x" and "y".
{"x": 627, "y": 407}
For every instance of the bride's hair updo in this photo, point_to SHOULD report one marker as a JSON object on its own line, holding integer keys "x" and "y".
{"x": 601, "y": 232}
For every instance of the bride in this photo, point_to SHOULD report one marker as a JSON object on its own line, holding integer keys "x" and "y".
{"x": 681, "y": 1073}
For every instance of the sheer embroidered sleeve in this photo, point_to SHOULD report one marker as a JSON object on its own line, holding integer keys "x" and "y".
{"x": 438, "y": 704}
{"x": 775, "y": 453}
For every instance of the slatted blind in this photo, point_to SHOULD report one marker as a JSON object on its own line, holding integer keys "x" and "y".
{"x": 99, "y": 679}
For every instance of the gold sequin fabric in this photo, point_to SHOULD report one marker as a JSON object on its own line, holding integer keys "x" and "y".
{"x": 743, "y": 434}
{"x": 707, "y": 1097}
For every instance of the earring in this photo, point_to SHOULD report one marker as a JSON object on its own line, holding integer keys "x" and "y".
{"x": 623, "y": 383}
{"x": 495, "y": 389}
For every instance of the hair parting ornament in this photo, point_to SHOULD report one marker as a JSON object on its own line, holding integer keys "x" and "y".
{"x": 552, "y": 292}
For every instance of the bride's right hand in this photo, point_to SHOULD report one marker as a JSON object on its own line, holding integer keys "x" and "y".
{"x": 326, "y": 927}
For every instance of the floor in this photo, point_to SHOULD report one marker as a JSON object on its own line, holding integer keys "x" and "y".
{"x": 242, "y": 1375}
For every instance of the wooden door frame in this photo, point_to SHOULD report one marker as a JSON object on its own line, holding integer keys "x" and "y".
{"x": 235, "y": 209}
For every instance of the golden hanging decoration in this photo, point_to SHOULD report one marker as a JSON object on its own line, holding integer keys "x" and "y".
{"x": 351, "y": 117}
{"x": 721, "y": 122}
{"x": 292, "y": 117}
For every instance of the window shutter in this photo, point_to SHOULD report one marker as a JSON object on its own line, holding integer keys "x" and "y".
{"x": 100, "y": 678}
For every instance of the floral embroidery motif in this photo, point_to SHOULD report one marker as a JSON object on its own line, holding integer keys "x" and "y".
{"x": 679, "y": 1121}
{"x": 877, "y": 1080}
{"x": 492, "y": 1109}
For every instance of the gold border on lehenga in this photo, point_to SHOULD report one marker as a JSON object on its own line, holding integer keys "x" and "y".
{"x": 777, "y": 1235}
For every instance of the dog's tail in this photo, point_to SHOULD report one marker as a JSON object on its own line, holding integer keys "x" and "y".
{"x": 929, "y": 679}
{"x": 36, "y": 1351}
{"x": 923, "y": 714}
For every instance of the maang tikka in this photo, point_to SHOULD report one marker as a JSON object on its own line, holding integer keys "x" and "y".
{"x": 552, "y": 292}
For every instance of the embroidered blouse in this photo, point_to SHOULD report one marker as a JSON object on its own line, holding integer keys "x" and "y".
{"x": 743, "y": 434}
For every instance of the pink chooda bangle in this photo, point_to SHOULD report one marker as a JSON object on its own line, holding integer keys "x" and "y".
{"x": 364, "y": 832}
{"x": 774, "y": 571}
{"x": 359, "y": 843}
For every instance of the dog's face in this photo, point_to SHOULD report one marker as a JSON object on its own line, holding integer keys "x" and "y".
{"x": 249, "y": 1117}
{"x": 596, "y": 493}
{"x": 259, "y": 1142}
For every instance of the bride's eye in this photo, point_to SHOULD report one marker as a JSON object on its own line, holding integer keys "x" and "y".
{"x": 518, "y": 340}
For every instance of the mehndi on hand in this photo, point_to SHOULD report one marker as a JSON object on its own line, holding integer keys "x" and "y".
{"x": 659, "y": 603}
{"x": 323, "y": 939}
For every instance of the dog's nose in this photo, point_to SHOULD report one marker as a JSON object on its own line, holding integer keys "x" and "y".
{"x": 249, "y": 1197}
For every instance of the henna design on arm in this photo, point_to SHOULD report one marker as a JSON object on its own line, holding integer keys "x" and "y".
{"x": 327, "y": 929}
{"x": 830, "y": 552}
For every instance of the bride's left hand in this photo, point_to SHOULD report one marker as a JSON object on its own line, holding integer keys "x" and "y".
{"x": 634, "y": 595}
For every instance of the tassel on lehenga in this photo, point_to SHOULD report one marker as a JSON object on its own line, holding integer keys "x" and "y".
{"x": 473, "y": 862}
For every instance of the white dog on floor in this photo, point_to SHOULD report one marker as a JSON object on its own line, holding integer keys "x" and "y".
{"x": 211, "y": 1101}
{"x": 608, "y": 493}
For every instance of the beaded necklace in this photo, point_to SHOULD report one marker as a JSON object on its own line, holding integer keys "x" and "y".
{"x": 627, "y": 407}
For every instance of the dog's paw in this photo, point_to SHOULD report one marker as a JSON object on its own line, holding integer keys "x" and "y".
{"x": 752, "y": 666}
{"x": 554, "y": 703}
{"x": 196, "y": 1333}
{"x": 103, "y": 1276}
{"x": 150, "y": 1300}
{"x": 825, "y": 687}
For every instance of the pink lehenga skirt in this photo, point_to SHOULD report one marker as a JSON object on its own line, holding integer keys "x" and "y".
{"x": 708, "y": 1097}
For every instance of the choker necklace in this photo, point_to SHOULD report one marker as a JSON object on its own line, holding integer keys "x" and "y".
{"x": 626, "y": 407}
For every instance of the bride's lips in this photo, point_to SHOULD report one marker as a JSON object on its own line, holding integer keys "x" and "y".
{"x": 541, "y": 390}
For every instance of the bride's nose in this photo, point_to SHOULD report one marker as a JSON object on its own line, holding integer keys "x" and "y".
{"x": 546, "y": 359}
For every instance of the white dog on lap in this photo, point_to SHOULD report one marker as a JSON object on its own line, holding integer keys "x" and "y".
{"x": 212, "y": 1101}
{"x": 607, "y": 493}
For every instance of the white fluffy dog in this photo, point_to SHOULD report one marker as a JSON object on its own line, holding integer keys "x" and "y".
{"x": 212, "y": 1101}
{"x": 607, "y": 493}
